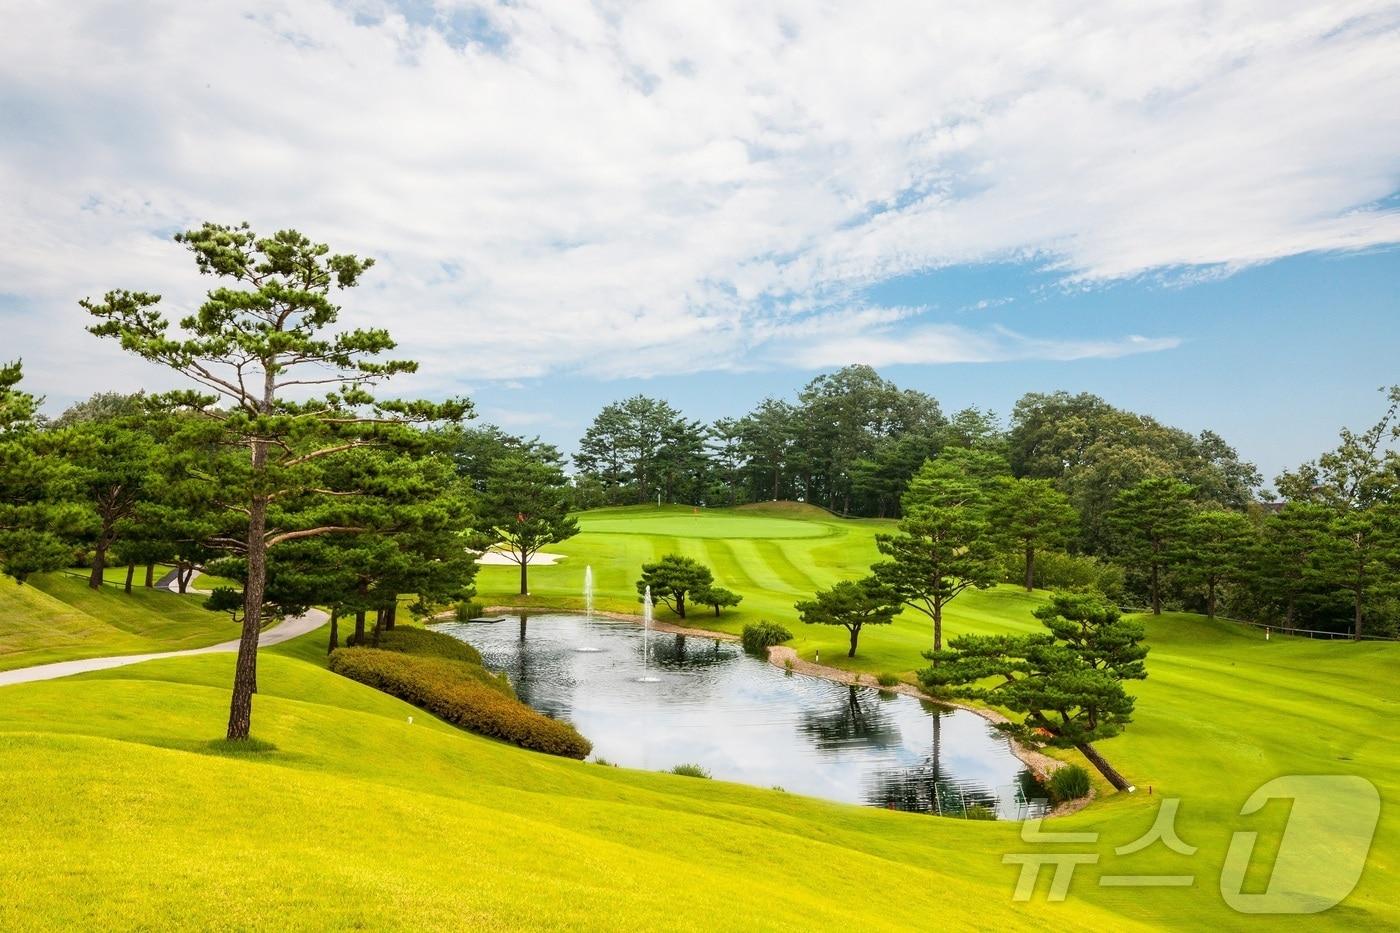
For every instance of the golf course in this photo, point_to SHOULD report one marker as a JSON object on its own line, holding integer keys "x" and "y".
{"x": 351, "y": 809}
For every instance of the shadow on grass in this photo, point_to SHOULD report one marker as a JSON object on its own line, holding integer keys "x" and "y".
{"x": 239, "y": 748}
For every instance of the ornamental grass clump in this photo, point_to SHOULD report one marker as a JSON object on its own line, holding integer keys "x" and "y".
{"x": 758, "y": 637}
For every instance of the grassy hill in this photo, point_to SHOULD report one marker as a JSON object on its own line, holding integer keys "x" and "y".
{"x": 123, "y": 812}
{"x": 56, "y": 617}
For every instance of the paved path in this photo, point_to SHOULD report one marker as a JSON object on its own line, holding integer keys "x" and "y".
{"x": 283, "y": 631}
{"x": 171, "y": 582}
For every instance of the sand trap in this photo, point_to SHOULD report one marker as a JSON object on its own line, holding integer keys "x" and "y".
{"x": 497, "y": 559}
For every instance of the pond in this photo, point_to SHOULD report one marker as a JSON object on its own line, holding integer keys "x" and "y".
{"x": 703, "y": 701}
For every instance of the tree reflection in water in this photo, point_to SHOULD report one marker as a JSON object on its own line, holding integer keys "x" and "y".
{"x": 927, "y": 787}
{"x": 858, "y": 721}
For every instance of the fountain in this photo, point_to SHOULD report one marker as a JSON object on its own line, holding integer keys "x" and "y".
{"x": 588, "y": 604}
{"x": 588, "y": 591}
{"x": 646, "y": 677}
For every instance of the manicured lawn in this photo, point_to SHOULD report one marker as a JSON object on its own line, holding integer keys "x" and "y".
{"x": 359, "y": 819}
{"x": 56, "y": 617}
{"x": 365, "y": 820}
{"x": 770, "y": 573}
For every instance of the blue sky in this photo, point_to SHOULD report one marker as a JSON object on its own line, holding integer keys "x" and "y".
{"x": 1189, "y": 209}
{"x": 1275, "y": 358}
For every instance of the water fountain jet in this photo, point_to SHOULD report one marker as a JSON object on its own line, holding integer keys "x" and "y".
{"x": 646, "y": 677}
{"x": 588, "y": 605}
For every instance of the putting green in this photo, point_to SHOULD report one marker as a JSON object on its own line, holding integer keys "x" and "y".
{"x": 700, "y": 524}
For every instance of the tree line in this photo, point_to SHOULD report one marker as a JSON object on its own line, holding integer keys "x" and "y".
{"x": 280, "y": 466}
{"x": 1073, "y": 492}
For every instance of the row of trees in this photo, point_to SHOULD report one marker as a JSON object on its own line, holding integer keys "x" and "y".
{"x": 1074, "y": 492}
{"x": 969, "y": 523}
{"x": 851, "y": 441}
{"x": 279, "y": 467}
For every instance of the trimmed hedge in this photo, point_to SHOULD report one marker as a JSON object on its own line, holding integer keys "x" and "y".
{"x": 422, "y": 642}
{"x": 463, "y": 694}
{"x": 758, "y": 637}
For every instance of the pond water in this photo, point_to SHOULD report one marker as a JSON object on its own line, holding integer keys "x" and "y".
{"x": 708, "y": 703}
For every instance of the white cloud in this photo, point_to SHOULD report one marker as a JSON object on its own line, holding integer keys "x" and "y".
{"x": 947, "y": 343}
{"x": 680, "y": 186}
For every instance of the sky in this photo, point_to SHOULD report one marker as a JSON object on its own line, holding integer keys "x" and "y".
{"x": 1191, "y": 209}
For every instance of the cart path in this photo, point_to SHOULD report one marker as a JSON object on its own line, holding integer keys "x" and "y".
{"x": 282, "y": 631}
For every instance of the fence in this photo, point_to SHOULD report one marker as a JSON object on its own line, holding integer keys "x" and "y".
{"x": 1280, "y": 630}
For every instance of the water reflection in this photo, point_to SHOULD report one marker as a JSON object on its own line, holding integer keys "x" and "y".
{"x": 748, "y": 721}
{"x": 857, "y": 720}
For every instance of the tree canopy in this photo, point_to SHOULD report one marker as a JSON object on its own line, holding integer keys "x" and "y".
{"x": 263, "y": 337}
{"x": 1067, "y": 683}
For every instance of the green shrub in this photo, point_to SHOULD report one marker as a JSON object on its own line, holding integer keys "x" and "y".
{"x": 887, "y": 679}
{"x": 464, "y": 694}
{"x": 758, "y": 637}
{"x": 1068, "y": 783}
{"x": 423, "y": 643}
{"x": 690, "y": 771}
{"x": 979, "y": 811}
{"x": 1060, "y": 570}
{"x": 469, "y": 609}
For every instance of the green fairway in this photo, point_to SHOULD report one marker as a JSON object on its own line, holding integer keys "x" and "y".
{"x": 771, "y": 573}
{"x": 358, "y": 818}
{"x": 57, "y": 617}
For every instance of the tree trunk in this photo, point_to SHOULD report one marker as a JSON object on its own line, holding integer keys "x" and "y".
{"x": 130, "y": 575}
{"x": 150, "y": 576}
{"x": 855, "y": 634}
{"x": 392, "y": 615}
{"x": 378, "y": 626}
{"x": 335, "y": 631}
{"x": 680, "y": 605}
{"x": 524, "y": 577}
{"x": 1210, "y": 599}
{"x": 937, "y": 625}
{"x": 1030, "y": 568}
{"x": 183, "y": 573}
{"x": 245, "y": 670}
{"x": 99, "y": 564}
{"x": 359, "y": 626}
{"x": 1156, "y": 592}
{"x": 716, "y": 610}
{"x": 1107, "y": 770}
{"x": 1357, "y": 615}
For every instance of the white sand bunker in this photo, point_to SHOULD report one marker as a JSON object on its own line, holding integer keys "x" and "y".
{"x": 500, "y": 559}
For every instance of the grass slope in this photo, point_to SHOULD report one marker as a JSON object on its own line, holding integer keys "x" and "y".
{"x": 358, "y": 818}
{"x": 1222, "y": 712}
{"x": 56, "y": 617}
{"x": 124, "y": 813}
